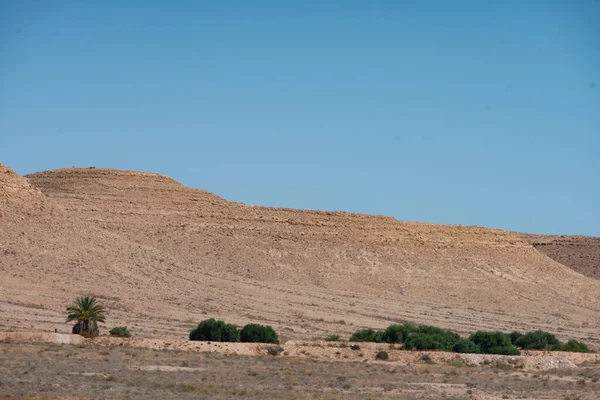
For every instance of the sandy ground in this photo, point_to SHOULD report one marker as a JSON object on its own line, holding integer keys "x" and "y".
{"x": 33, "y": 365}
{"x": 320, "y": 350}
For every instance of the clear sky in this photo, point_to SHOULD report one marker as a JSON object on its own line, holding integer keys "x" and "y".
{"x": 464, "y": 112}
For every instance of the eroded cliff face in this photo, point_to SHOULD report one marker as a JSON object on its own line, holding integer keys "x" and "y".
{"x": 168, "y": 251}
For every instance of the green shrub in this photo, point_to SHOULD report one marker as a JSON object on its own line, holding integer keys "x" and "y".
{"x": 575, "y": 346}
{"x": 538, "y": 340}
{"x": 332, "y": 338}
{"x": 504, "y": 350}
{"x": 255, "y": 333}
{"x": 419, "y": 341}
{"x": 446, "y": 337}
{"x": 466, "y": 346}
{"x": 428, "y": 337}
{"x": 215, "y": 331}
{"x": 367, "y": 335}
{"x": 120, "y": 331}
{"x": 430, "y": 330}
{"x": 396, "y": 333}
{"x": 423, "y": 341}
{"x": 514, "y": 336}
{"x": 494, "y": 343}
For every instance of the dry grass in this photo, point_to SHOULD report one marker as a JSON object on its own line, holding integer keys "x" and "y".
{"x": 45, "y": 370}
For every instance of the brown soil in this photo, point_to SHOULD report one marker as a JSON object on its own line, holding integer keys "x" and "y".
{"x": 581, "y": 253}
{"x": 162, "y": 256}
{"x": 125, "y": 368}
{"x": 323, "y": 351}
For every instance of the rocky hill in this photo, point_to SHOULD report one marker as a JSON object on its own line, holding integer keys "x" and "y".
{"x": 580, "y": 253}
{"x": 174, "y": 255}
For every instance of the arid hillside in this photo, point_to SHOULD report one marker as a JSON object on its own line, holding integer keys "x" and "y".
{"x": 581, "y": 253}
{"x": 175, "y": 255}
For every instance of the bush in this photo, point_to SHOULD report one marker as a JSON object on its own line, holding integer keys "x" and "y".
{"x": 422, "y": 337}
{"x": 274, "y": 350}
{"x": 120, "y": 331}
{"x": 446, "y": 337}
{"x": 255, "y": 333}
{"x": 494, "y": 343}
{"x": 427, "y": 358}
{"x": 538, "y": 340}
{"x": 367, "y": 335}
{"x": 514, "y": 336}
{"x": 396, "y": 333}
{"x": 505, "y": 350}
{"x": 575, "y": 346}
{"x": 333, "y": 338}
{"x": 429, "y": 337}
{"x": 466, "y": 346}
{"x": 215, "y": 331}
{"x": 382, "y": 355}
{"x": 423, "y": 341}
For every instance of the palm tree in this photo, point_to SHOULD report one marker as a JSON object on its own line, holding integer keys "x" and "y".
{"x": 87, "y": 312}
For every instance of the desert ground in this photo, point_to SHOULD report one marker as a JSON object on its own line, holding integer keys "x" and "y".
{"x": 48, "y": 365}
{"x": 161, "y": 257}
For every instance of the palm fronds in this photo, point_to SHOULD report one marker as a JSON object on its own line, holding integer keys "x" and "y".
{"x": 87, "y": 312}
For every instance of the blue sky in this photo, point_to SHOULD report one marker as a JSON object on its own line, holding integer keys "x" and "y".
{"x": 464, "y": 112}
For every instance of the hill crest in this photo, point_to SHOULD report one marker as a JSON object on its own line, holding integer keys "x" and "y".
{"x": 145, "y": 240}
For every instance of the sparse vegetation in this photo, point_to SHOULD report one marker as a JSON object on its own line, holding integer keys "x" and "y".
{"x": 427, "y": 358}
{"x": 271, "y": 377}
{"x": 120, "y": 331}
{"x": 87, "y": 312}
{"x": 256, "y": 333}
{"x": 332, "y": 338}
{"x": 215, "y": 331}
{"x": 274, "y": 350}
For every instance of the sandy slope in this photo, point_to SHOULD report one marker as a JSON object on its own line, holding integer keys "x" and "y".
{"x": 174, "y": 255}
{"x": 581, "y": 253}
